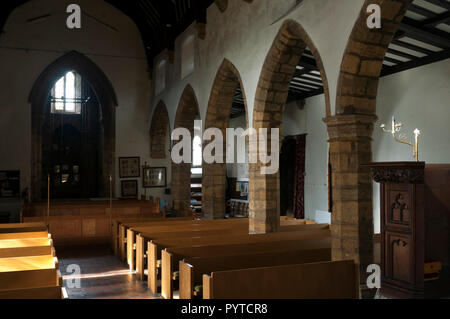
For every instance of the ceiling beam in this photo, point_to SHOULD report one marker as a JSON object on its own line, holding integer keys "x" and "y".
{"x": 388, "y": 70}
{"x": 431, "y": 36}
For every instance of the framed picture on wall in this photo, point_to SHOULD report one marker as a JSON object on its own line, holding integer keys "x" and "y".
{"x": 129, "y": 188}
{"x": 129, "y": 167}
{"x": 154, "y": 177}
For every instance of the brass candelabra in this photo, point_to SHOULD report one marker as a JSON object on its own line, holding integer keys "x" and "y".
{"x": 396, "y": 128}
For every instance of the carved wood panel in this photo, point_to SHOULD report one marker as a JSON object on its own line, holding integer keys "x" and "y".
{"x": 399, "y": 263}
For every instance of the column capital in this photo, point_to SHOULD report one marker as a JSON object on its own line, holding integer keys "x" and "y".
{"x": 350, "y": 126}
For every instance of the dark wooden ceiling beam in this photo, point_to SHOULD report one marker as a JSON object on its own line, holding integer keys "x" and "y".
{"x": 441, "y": 3}
{"x": 441, "y": 18}
{"x": 422, "y": 11}
{"x": 412, "y": 47}
{"x": 416, "y": 63}
{"x": 402, "y": 54}
{"x": 431, "y": 36}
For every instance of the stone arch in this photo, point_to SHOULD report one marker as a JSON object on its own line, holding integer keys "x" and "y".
{"x": 363, "y": 58}
{"x": 350, "y": 132}
{"x": 187, "y": 112}
{"x": 108, "y": 101}
{"x": 158, "y": 132}
{"x": 271, "y": 96}
{"x": 218, "y": 116}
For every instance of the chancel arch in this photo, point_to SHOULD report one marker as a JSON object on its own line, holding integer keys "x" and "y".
{"x": 284, "y": 64}
{"x": 158, "y": 132}
{"x": 187, "y": 113}
{"x": 107, "y": 101}
{"x": 227, "y": 100}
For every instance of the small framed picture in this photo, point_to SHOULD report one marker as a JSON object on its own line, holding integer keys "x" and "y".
{"x": 154, "y": 177}
{"x": 129, "y": 167}
{"x": 129, "y": 188}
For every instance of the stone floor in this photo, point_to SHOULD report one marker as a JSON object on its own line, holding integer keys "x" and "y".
{"x": 103, "y": 276}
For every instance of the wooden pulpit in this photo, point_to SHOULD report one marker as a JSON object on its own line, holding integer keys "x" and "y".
{"x": 415, "y": 214}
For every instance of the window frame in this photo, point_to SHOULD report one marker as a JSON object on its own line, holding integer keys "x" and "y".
{"x": 77, "y": 92}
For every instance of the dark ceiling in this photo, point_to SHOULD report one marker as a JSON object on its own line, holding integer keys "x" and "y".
{"x": 158, "y": 21}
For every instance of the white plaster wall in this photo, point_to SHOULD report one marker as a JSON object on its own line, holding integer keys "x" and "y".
{"x": 309, "y": 121}
{"x": 120, "y": 54}
{"x": 243, "y": 34}
{"x": 419, "y": 98}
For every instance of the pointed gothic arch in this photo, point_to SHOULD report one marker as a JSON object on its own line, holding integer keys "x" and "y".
{"x": 187, "y": 113}
{"x": 218, "y": 116}
{"x": 106, "y": 96}
{"x": 271, "y": 95}
{"x": 158, "y": 132}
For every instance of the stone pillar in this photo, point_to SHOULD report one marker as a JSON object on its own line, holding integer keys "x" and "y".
{"x": 264, "y": 197}
{"x": 213, "y": 191}
{"x": 352, "y": 215}
{"x": 181, "y": 188}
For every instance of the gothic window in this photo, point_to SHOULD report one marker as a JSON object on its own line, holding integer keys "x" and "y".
{"x": 66, "y": 94}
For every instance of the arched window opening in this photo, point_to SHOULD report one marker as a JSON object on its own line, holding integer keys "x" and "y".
{"x": 66, "y": 96}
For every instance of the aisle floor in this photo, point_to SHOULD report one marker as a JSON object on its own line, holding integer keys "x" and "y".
{"x": 103, "y": 276}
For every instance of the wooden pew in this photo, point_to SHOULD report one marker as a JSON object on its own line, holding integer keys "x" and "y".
{"x": 23, "y": 230}
{"x": 115, "y": 231}
{"x": 52, "y": 292}
{"x": 171, "y": 257}
{"x": 136, "y": 253}
{"x": 21, "y": 273}
{"x": 138, "y": 259}
{"x": 191, "y": 270}
{"x": 123, "y": 228}
{"x": 323, "y": 280}
{"x": 175, "y": 226}
{"x": 26, "y": 247}
{"x": 154, "y": 247}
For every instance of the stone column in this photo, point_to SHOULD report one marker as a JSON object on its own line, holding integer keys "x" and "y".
{"x": 352, "y": 215}
{"x": 213, "y": 191}
{"x": 181, "y": 188}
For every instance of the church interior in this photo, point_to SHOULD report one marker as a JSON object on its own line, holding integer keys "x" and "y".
{"x": 111, "y": 111}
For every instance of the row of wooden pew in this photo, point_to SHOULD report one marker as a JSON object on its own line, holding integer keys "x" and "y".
{"x": 28, "y": 264}
{"x": 219, "y": 259}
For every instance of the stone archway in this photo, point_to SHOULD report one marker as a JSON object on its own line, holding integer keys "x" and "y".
{"x": 158, "y": 132}
{"x": 271, "y": 96}
{"x": 108, "y": 101}
{"x": 350, "y": 133}
{"x": 187, "y": 113}
{"x": 218, "y": 116}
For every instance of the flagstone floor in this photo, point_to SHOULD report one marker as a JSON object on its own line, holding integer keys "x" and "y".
{"x": 103, "y": 276}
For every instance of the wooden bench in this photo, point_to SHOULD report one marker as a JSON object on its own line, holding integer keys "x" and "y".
{"x": 136, "y": 253}
{"x": 26, "y": 247}
{"x": 323, "y": 280}
{"x": 154, "y": 247}
{"x": 23, "y": 230}
{"x": 138, "y": 260}
{"x": 52, "y": 292}
{"x": 191, "y": 270}
{"x": 124, "y": 226}
{"x": 83, "y": 222}
{"x": 115, "y": 231}
{"x": 170, "y": 258}
{"x": 182, "y": 225}
{"x": 26, "y": 274}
